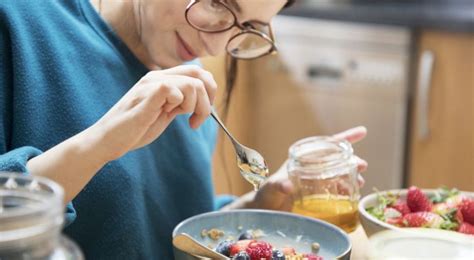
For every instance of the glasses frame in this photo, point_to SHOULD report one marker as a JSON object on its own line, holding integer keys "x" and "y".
{"x": 244, "y": 28}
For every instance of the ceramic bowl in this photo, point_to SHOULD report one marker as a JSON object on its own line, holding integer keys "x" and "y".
{"x": 373, "y": 225}
{"x": 281, "y": 229}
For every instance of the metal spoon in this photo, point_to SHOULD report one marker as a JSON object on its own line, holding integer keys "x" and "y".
{"x": 186, "y": 243}
{"x": 251, "y": 164}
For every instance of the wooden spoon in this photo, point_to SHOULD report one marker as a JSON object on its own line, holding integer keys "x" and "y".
{"x": 186, "y": 243}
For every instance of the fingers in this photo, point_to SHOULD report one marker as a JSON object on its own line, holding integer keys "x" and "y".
{"x": 181, "y": 95}
{"x": 198, "y": 73}
{"x": 173, "y": 98}
{"x": 360, "y": 181}
{"x": 199, "y": 90}
{"x": 352, "y": 135}
{"x": 361, "y": 164}
{"x": 202, "y": 108}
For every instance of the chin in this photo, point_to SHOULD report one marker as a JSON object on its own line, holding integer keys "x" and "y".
{"x": 167, "y": 63}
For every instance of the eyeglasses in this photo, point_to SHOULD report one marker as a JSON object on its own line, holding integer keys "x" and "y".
{"x": 254, "y": 40}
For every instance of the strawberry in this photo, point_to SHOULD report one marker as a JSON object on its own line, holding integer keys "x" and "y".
{"x": 312, "y": 256}
{"x": 391, "y": 213}
{"x": 422, "y": 219}
{"x": 467, "y": 209}
{"x": 395, "y": 221}
{"x": 239, "y": 246}
{"x": 417, "y": 201}
{"x": 458, "y": 216}
{"x": 401, "y": 207}
{"x": 441, "y": 208}
{"x": 466, "y": 228}
{"x": 258, "y": 250}
{"x": 288, "y": 251}
{"x": 455, "y": 200}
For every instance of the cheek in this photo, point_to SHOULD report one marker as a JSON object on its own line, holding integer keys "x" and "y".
{"x": 159, "y": 21}
{"x": 163, "y": 16}
{"x": 216, "y": 42}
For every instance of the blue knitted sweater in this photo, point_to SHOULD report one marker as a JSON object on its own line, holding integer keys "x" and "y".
{"x": 61, "y": 69}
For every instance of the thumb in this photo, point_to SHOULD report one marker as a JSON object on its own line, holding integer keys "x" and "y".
{"x": 352, "y": 135}
{"x": 285, "y": 186}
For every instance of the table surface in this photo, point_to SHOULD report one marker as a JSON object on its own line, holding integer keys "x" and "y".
{"x": 360, "y": 244}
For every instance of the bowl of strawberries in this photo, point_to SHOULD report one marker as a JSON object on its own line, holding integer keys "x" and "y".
{"x": 443, "y": 208}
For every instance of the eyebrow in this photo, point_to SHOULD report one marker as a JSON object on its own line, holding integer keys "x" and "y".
{"x": 236, "y": 6}
{"x": 233, "y": 4}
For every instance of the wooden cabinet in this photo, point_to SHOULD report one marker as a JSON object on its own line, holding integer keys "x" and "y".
{"x": 441, "y": 145}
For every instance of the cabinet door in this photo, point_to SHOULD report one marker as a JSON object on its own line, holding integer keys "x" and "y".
{"x": 442, "y": 132}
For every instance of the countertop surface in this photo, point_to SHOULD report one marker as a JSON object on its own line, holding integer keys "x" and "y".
{"x": 360, "y": 244}
{"x": 456, "y": 15}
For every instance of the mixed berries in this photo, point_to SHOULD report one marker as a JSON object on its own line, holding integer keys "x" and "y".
{"x": 447, "y": 209}
{"x": 248, "y": 248}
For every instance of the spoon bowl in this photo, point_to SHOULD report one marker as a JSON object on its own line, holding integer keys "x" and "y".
{"x": 251, "y": 163}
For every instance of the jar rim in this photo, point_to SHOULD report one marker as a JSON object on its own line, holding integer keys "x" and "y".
{"x": 327, "y": 154}
{"x": 31, "y": 208}
{"x": 49, "y": 199}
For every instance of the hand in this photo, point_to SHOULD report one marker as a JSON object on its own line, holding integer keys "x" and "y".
{"x": 145, "y": 111}
{"x": 276, "y": 192}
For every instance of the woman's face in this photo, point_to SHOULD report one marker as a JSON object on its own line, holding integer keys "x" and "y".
{"x": 168, "y": 39}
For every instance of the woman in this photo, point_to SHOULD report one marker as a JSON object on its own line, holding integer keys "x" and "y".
{"x": 85, "y": 103}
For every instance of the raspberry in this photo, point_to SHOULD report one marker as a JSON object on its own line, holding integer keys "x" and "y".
{"x": 312, "y": 256}
{"x": 259, "y": 249}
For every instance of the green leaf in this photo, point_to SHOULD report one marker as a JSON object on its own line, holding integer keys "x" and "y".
{"x": 377, "y": 212}
{"x": 442, "y": 194}
{"x": 448, "y": 225}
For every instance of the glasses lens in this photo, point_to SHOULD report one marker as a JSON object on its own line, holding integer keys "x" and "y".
{"x": 248, "y": 45}
{"x": 210, "y": 16}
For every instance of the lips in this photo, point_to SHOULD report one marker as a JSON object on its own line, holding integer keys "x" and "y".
{"x": 184, "y": 51}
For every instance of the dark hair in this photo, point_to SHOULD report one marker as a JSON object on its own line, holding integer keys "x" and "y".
{"x": 290, "y": 2}
{"x": 231, "y": 73}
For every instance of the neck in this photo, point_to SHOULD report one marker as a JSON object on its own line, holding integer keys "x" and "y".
{"x": 124, "y": 18}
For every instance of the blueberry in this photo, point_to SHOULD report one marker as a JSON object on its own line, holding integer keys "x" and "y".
{"x": 278, "y": 255}
{"x": 241, "y": 256}
{"x": 224, "y": 247}
{"x": 245, "y": 235}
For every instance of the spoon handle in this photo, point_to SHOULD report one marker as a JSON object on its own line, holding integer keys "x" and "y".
{"x": 218, "y": 120}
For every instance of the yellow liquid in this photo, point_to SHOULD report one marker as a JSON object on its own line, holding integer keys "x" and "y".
{"x": 338, "y": 210}
{"x": 253, "y": 175}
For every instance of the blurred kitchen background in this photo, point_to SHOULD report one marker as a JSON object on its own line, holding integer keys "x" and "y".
{"x": 404, "y": 69}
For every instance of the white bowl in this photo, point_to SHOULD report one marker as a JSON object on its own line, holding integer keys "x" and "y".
{"x": 373, "y": 225}
{"x": 420, "y": 244}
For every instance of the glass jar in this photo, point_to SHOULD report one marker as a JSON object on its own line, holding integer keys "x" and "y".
{"x": 31, "y": 219}
{"x": 324, "y": 173}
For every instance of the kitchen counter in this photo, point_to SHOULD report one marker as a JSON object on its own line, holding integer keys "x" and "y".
{"x": 360, "y": 244}
{"x": 413, "y": 14}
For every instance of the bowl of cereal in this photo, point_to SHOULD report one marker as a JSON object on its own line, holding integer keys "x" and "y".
{"x": 257, "y": 234}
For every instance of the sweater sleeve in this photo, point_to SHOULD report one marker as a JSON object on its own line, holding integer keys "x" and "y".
{"x": 221, "y": 201}
{"x": 14, "y": 160}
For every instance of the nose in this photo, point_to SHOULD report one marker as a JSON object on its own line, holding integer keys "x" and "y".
{"x": 215, "y": 43}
